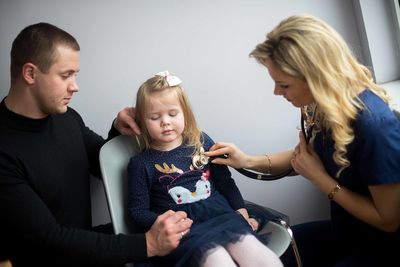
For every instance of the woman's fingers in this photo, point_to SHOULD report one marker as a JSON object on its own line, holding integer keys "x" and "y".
{"x": 218, "y": 149}
{"x": 302, "y": 143}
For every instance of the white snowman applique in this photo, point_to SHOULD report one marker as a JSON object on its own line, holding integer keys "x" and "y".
{"x": 182, "y": 195}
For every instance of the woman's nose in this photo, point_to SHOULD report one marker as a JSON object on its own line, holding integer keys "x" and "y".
{"x": 278, "y": 91}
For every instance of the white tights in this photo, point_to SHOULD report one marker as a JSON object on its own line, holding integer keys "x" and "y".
{"x": 249, "y": 251}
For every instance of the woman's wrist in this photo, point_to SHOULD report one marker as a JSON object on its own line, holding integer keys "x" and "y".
{"x": 269, "y": 162}
{"x": 256, "y": 163}
{"x": 334, "y": 191}
{"x": 265, "y": 164}
{"x": 248, "y": 162}
{"x": 326, "y": 184}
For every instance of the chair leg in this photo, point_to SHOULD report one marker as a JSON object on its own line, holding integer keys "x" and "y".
{"x": 292, "y": 242}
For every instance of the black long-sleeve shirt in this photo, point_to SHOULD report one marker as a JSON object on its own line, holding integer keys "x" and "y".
{"x": 45, "y": 209}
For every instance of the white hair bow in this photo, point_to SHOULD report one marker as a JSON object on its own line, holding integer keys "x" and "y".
{"x": 171, "y": 80}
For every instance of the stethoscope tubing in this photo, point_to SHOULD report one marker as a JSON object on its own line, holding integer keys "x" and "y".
{"x": 270, "y": 176}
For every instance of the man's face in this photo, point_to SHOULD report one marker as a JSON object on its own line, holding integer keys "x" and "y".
{"x": 53, "y": 90}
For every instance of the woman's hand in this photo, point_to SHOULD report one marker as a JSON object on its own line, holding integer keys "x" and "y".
{"x": 306, "y": 162}
{"x": 227, "y": 154}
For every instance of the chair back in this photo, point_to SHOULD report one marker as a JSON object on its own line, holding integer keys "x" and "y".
{"x": 114, "y": 159}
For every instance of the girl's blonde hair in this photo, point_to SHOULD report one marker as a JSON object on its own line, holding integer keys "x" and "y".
{"x": 191, "y": 133}
{"x": 306, "y": 47}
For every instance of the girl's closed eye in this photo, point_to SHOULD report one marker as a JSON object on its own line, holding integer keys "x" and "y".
{"x": 154, "y": 117}
{"x": 284, "y": 86}
{"x": 173, "y": 113}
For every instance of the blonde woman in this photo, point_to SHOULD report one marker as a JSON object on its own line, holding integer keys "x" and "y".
{"x": 353, "y": 155}
{"x": 173, "y": 173}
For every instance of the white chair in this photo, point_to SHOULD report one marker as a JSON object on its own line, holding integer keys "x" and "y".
{"x": 114, "y": 158}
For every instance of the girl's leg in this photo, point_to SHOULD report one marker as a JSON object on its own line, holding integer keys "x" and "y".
{"x": 217, "y": 256}
{"x": 251, "y": 252}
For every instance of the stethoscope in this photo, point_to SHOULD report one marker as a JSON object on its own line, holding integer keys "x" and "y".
{"x": 270, "y": 176}
{"x": 199, "y": 161}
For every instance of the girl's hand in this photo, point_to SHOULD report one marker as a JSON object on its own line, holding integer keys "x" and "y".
{"x": 253, "y": 223}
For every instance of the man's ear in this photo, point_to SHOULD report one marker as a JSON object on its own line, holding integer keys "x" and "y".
{"x": 29, "y": 73}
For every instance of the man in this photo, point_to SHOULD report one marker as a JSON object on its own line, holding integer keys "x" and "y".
{"x": 46, "y": 157}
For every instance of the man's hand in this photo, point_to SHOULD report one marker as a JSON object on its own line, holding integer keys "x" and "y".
{"x": 167, "y": 232}
{"x": 125, "y": 122}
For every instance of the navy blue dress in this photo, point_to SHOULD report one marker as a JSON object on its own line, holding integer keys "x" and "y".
{"x": 163, "y": 180}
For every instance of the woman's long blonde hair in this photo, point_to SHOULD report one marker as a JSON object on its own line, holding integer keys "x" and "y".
{"x": 306, "y": 47}
{"x": 191, "y": 134}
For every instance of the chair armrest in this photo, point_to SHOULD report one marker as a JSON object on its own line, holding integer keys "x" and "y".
{"x": 264, "y": 214}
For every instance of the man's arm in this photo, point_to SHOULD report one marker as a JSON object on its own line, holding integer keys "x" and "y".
{"x": 28, "y": 226}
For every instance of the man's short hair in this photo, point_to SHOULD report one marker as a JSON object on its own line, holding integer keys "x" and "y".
{"x": 37, "y": 44}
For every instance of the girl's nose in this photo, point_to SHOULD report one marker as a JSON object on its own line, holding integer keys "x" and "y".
{"x": 165, "y": 122}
